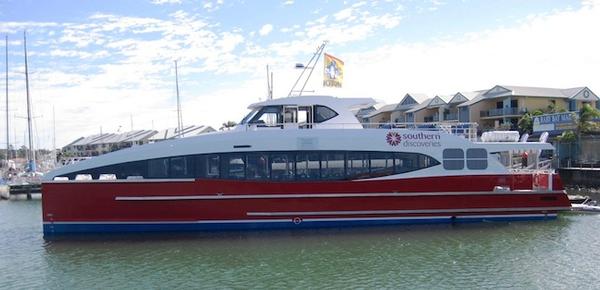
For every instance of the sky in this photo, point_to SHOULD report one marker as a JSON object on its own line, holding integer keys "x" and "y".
{"x": 108, "y": 66}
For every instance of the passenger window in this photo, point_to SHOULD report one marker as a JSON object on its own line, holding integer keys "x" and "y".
{"x": 212, "y": 166}
{"x": 323, "y": 114}
{"x": 357, "y": 165}
{"x": 454, "y": 159}
{"x": 307, "y": 166}
{"x": 158, "y": 168}
{"x": 181, "y": 167}
{"x": 332, "y": 165}
{"x": 137, "y": 168}
{"x": 382, "y": 164}
{"x": 234, "y": 166}
{"x": 257, "y": 167}
{"x": 477, "y": 159}
{"x": 282, "y": 166}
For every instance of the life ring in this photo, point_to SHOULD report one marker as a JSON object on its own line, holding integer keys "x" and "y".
{"x": 297, "y": 220}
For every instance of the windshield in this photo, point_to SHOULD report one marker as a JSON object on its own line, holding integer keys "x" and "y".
{"x": 249, "y": 116}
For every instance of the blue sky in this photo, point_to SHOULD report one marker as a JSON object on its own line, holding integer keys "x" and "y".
{"x": 101, "y": 64}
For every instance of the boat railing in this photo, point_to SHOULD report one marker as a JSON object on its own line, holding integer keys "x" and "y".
{"x": 466, "y": 130}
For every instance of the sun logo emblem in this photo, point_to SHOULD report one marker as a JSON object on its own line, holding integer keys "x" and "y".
{"x": 393, "y": 138}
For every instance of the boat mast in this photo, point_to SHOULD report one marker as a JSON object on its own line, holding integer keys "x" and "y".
{"x": 310, "y": 66}
{"x": 7, "y": 127}
{"x": 31, "y": 149}
{"x": 179, "y": 117}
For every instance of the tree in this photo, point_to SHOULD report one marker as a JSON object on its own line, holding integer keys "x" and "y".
{"x": 567, "y": 137}
{"x": 526, "y": 122}
{"x": 554, "y": 108}
{"x": 228, "y": 125}
{"x": 586, "y": 123}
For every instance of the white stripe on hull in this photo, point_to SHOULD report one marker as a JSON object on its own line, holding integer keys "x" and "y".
{"x": 405, "y": 211}
{"x": 323, "y": 195}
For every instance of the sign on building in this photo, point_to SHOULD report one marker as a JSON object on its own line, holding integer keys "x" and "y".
{"x": 554, "y": 123}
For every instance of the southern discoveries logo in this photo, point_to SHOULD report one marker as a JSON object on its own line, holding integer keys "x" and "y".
{"x": 414, "y": 139}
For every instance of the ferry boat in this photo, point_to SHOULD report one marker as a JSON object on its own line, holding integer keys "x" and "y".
{"x": 301, "y": 162}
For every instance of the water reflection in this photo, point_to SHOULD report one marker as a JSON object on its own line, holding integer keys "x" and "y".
{"x": 415, "y": 256}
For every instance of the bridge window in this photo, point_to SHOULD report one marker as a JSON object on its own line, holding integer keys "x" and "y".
{"x": 323, "y": 114}
{"x": 268, "y": 116}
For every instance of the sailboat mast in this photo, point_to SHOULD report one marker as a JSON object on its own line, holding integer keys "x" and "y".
{"x": 179, "y": 117}
{"x": 7, "y": 127}
{"x": 30, "y": 131}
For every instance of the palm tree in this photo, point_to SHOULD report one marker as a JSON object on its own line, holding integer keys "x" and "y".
{"x": 526, "y": 122}
{"x": 586, "y": 123}
{"x": 228, "y": 125}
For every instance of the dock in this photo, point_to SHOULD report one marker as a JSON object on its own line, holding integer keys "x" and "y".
{"x": 20, "y": 190}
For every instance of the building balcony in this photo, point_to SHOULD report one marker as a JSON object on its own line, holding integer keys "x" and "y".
{"x": 450, "y": 117}
{"x": 502, "y": 112}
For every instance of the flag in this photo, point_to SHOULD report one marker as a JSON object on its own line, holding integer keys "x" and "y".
{"x": 333, "y": 71}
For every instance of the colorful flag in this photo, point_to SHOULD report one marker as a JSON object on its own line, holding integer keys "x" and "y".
{"x": 333, "y": 73}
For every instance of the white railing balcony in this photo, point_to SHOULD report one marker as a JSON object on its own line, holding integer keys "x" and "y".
{"x": 466, "y": 130}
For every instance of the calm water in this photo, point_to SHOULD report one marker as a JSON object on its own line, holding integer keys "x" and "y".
{"x": 558, "y": 254}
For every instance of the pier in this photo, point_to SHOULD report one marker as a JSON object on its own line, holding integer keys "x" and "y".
{"x": 26, "y": 190}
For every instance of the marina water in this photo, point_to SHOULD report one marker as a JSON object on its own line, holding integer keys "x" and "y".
{"x": 562, "y": 253}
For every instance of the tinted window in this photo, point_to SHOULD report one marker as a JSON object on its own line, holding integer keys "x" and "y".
{"x": 357, "y": 165}
{"x": 454, "y": 159}
{"x": 382, "y": 164}
{"x": 332, "y": 165}
{"x": 282, "y": 166}
{"x": 138, "y": 168}
{"x": 307, "y": 166}
{"x": 477, "y": 159}
{"x": 211, "y": 166}
{"x": 181, "y": 167}
{"x": 257, "y": 166}
{"x": 158, "y": 168}
{"x": 323, "y": 114}
{"x": 233, "y": 166}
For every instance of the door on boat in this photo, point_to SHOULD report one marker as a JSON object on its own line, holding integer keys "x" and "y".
{"x": 290, "y": 117}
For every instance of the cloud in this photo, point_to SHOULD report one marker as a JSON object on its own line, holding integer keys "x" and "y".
{"x": 265, "y": 29}
{"x": 109, "y": 67}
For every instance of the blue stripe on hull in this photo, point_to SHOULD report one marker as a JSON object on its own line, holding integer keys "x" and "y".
{"x": 68, "y": 228}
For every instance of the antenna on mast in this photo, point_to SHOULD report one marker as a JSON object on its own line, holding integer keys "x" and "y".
{"x": 179, "y": 117}
{"x": 269, "y": 84}
{"x": 310, "y": 66}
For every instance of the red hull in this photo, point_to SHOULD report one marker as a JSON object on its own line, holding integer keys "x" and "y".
{"x": 219, "y": 201}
